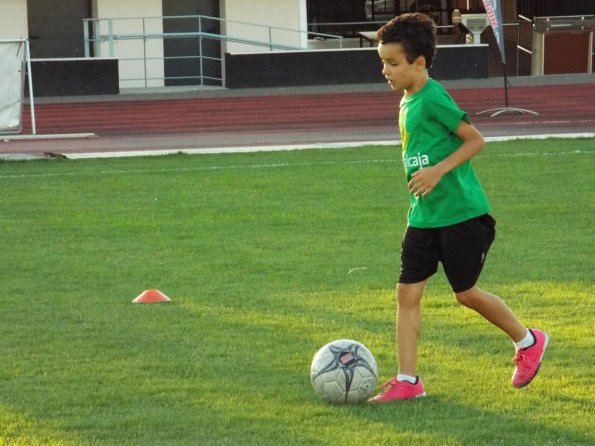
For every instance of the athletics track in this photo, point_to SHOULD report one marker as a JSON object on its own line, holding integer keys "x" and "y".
{"x": 262, "y": 119}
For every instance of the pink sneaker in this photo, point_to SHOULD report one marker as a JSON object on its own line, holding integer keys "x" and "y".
{"x": 399, "y": 390}
{"x": 528, "y": 359}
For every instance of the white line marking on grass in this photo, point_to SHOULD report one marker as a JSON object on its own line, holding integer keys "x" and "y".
{"x": 358, "y": 268}
{"x": 199, "y": 168}
{"x": 517, "y": 154}
{"x": 277, "y": 165}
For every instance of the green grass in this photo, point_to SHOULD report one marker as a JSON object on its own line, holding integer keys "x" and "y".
{"x": 255, "y": 251}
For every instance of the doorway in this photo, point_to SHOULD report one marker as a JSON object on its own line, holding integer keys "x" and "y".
{"x": 56, "y": 27}
{"x": 191, "y": 60}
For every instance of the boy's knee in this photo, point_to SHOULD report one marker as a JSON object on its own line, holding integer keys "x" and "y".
{"x": 409, "y": 295}
{"x": 468, "y": 297}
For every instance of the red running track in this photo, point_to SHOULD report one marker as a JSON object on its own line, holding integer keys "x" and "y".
{"x": 297, "y": 118}
{"x": 314, "y": 111}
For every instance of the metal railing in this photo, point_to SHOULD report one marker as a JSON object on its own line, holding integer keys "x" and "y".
{"x": 524, "y": 43}
{"x": 101, "y": 35}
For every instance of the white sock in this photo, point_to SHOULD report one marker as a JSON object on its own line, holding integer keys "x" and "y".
{"x": 408, "y": 378}
{"x": 527, "y": 341}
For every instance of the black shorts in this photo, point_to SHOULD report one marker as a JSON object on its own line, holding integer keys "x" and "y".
{"x": 462, "y": 248}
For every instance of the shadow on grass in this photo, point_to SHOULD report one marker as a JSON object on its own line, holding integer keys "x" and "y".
{"x": 199, "y": 371}
{"x": 449, "y": 421}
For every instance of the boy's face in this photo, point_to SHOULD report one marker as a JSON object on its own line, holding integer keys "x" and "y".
{"x": 400, "y": 74}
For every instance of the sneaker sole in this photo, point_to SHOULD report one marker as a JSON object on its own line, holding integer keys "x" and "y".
{"x": 547, "y": 341}
{"x": 421, "y": 395}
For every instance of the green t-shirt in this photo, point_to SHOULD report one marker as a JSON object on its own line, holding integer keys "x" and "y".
{"x": 428, "y": 121}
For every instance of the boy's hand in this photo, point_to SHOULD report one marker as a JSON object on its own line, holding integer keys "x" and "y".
{"x": 424, "y": 180}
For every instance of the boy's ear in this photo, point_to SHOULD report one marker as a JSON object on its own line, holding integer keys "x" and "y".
{"x": 420, "y": 63}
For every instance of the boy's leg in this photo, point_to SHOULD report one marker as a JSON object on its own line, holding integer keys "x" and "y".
{"x": 491, "y": 307}
{"x": 419, "y": 261}
{"x": 408, "y": 325}
{"x": 465, "y": 247}
{"x": 420, "y": 253}
{"x": 494, "y": 310}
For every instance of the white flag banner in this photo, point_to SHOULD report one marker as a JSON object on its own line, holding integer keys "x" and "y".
{"x": 12, "y": 74}
{"x": 494, "y": 12}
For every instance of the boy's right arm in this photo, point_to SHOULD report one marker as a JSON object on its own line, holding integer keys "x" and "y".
{"x": 425, "y": 180}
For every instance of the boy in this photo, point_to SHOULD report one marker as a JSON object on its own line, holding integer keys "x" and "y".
{"x": 448, "y": 218}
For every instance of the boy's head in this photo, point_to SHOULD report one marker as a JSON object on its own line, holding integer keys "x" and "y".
{"x": 415, "y": 32}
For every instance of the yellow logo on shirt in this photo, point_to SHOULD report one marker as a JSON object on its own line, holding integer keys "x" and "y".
{"x": 403, "y": 128}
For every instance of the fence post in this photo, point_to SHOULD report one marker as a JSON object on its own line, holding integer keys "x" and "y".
{"x": 270, "y": 39}
{"x": 31, "y": 100}
{"x": 86, "y": 36}
{"x": 200, "y": 64}
{"x": 145, "y": 51}
{"x": 110, "y": 29}
{"x": 97, "y": 37}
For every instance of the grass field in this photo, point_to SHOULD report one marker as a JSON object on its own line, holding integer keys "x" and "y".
{"x": 267, "y": 257}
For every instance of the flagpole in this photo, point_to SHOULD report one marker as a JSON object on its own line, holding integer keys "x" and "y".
{"x": 506, "y": 108}
{"x": 493, "y": 10}
{"x": 505, "y": 85}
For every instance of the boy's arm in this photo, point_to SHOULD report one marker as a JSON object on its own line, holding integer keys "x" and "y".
{"x": 425, "y": 180}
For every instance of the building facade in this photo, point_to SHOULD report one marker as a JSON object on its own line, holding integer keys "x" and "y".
{"x": 56, "y": 29}
{"x": 144, "y": 35}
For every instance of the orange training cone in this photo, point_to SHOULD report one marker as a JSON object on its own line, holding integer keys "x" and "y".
{"x": 150, "y": 297}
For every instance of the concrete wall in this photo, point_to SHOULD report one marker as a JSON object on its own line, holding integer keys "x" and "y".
{"x": 124, "y": 50}
{"x": 288, "y": 14}
{"x": 74, "y": 77}
{"x": 304, "y": 68}
{"x": 13, "y": 19}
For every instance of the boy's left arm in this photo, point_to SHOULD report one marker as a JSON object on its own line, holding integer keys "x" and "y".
{"x": 425, "y": 180}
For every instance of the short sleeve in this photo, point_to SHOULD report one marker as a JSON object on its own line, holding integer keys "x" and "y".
{"x": 444, "y": 110}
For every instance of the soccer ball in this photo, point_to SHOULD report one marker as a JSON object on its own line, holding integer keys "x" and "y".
{"x": 344, "y": 371}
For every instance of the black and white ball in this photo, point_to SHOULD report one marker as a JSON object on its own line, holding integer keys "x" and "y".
{"x": 344, "y": 371}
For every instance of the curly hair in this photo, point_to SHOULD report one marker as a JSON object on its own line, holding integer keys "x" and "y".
{"x": 415, "y": 31}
